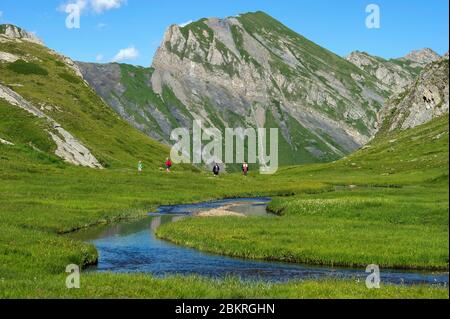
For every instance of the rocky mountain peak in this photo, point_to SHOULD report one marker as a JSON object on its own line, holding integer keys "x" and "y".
{"x": 14, "y": 32}
{"x": 423, "y": 56}
{"x": 250, "y": 69}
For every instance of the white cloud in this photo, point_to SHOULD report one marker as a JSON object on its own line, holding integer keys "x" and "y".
{"x": 186, "y": 23}
{"x": 101, "y": 25}
{"x": 103, "y": 5}
{"x": 97, "y": 6}
{"x": 126, "y": 54}
{"x": 99, "y": 57}
{"x": 1, "y": 15}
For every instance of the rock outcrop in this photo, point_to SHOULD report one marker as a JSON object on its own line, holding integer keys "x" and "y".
{"x": 8, "y": 57}
{"x": 422, "y": 101}
{"x": 421, "y": 57}
{"x": 14, "y": 32}
{"x": 395, "y": 74}
{"x": 5, "y": 142}
{"x": 68, "y": 147}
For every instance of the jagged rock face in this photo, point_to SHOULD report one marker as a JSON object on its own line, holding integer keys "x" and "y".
{"x": 395, "y": 75}
{"x": 236, "y": 68}
{"x": 14, "y": 32}
{"x": 424, "y": 100}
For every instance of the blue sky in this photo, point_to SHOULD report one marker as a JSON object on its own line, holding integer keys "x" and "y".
{"x": 108, "y": 26}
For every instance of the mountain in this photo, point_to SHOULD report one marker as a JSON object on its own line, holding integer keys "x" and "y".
{"x": 47, "y": 109}
{"x": 14, "y": 32}
{"x": 247, "y": 71}
{"x": 425, "y": 99}
{"x": 395, "y": 74}
{"x": 243, "y": 71}
{"x": 421, "y": 57}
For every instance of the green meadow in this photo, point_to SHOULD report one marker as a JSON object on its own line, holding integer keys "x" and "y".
{"x": 386, "y": 204}
{"x": 343, "y": 228}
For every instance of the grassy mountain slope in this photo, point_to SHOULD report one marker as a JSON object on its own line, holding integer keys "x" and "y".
{"x": 128, "y": 90}
{"x": 44, "y": 78}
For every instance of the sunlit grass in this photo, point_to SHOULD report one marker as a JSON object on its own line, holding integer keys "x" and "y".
{"x": 145, "y": 286}
{"x": 405, "y": 226}
{"x": 337, "y": 229}
{"x": 393, "y": 210}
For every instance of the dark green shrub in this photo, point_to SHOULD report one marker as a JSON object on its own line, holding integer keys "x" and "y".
{"x": 59, "y": 63}
{"x": 27, "y": 68}
{"x": 69, "y": 78}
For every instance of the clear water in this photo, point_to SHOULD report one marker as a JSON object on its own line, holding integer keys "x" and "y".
{"x": 132, "y": 247}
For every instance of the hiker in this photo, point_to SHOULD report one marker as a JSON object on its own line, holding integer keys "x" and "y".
{"x": 140, "y": 166}
{"x": 216, "y": 169}
{"x": 245, "y": 169}
{"x": 168, "y": 165}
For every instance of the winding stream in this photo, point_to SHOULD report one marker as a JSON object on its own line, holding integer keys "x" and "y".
{"x": 133, "y": 247}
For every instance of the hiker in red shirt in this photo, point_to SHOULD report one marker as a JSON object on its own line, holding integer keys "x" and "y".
{"x": 168, "y": 164}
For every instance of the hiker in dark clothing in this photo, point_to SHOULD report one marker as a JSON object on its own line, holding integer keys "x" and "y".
{"x": 216, "y": 169}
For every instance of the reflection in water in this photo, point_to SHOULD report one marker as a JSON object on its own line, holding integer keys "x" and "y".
{"x": 133, "y": 247}
{"x": 250, "y": 210}
{"x": 156, "y": 222}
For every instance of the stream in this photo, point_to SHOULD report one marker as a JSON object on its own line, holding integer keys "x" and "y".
{"x": 132, "y": 247}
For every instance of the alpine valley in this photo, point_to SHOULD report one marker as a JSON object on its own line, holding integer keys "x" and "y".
{"x": 363, "y": 148}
